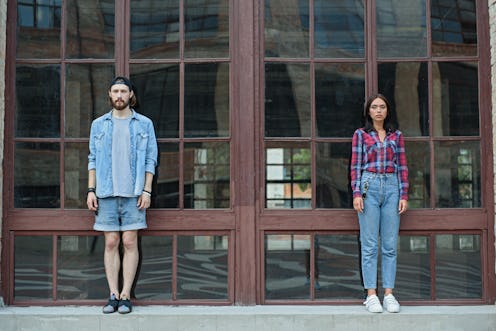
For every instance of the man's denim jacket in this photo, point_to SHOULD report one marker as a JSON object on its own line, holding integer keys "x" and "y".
{"x": 143, "y": 152}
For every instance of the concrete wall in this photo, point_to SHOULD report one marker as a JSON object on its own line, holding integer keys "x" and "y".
{"x": 492, "y": 20}
{"x": 3, "y": 22}
{"x": 3, "y": 37}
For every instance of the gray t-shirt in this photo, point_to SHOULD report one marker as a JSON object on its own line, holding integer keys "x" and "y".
{"x": 121, "y": 158}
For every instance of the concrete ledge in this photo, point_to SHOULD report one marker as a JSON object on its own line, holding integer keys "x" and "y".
{"x": 258, "y": 318}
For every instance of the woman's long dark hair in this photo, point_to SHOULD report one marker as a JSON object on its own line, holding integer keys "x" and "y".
{"x": 390, "y": 122}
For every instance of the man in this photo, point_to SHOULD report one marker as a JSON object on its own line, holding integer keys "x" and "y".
{"x": 121, "y": 165}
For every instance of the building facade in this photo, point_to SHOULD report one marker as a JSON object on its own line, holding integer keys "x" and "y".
{"x": 254, "y": 105}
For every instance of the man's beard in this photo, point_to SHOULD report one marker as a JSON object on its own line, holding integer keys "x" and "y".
{"x": 122, "y": 105}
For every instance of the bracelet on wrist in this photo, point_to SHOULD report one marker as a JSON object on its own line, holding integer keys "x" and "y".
{"x": 147, "y": 193}
{"x": 91, "y": 189}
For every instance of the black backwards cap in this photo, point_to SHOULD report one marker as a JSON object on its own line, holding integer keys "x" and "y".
{"x": 121, "y": 80}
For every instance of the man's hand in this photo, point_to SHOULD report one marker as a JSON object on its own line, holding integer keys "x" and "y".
{"x": 92, "y": 201}
{"x": 144, "y": 200}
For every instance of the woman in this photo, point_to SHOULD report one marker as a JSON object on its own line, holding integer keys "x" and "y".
{"x": 379, "y": 179}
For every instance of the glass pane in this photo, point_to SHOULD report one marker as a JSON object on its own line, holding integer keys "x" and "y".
{"x": 413, "y": 272}
{"x": 37, "y": 101}
{"x": 86, "y": 96}
{"x": 286, "y": 257}
{"x": 458, "y": 267}
{"x": 90, "y": 29}
{"x": 458, "y": 174}
{"x": 337, "y": 267}
{"x": 406, "y": 86}
{"x": 206, "y": 28}
{"x": 157, "y": 91}
{"x": 33, "y": 268}
{"x": 333, "y": 185}
{"x": 166, "y": 179}
{"x": 286, "y": 28}
{"x": 287, "y": 100}
{"x": 454, "y": 27}
{"x": 75, "y": 175}
{"x": 154, "y": 29}
{"x": 401, "y": 28}
{"x": 202, "y": 267}
{"x": 455, "y": 99}
{"x": 38, "y": 29}
{"x": 80, "y": 269}
{"x": 37, "y": 175}
{"x": 206, "y": 100}
{"x": 339, "y": 95}
{"x": 339, "y": 28}
{"x": 206, "y": 175}
{"x": 155, "y": 271}
{"x": 419, "y": 173}
{"x": 289, "y": 168}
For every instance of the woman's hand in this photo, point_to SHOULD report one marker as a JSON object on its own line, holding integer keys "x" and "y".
{"x": 358, "y": 204}
{"x": 403, "y": 206}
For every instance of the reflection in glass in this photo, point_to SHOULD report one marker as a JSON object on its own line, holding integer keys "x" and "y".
{"x": 401, "y": 28}
{"x": 206, "y": 28}
{"x": 37, "y": 175}
{"x": 339, "y": 267}
{"x": 75, "y": 175}
{"x": 166, "y": 179}
{"x": 202, "y": 267}
{"x": 86, "y": 96}
{"x": 33, "y": 267}
{"x": 80, "y": 270}
{"x": 38, "y": 29}
{"x": 154, "y": 29}
{"x": 332, "y": 166}
{"x": 339, "y": 28}
{"x": 288, "y": 176}
{"x": 458, "y": 267}
{"x": 154, "y": 281}
{"x": 418, "y": 159}
{"x": 413, "y": 272}
{"x": 37, "y": 101}
{"x": 454, "y": 28}
{"x": 339, "y": 96}
{"x": 287, "y": 100}
{"x": 90, "y": 29}
{"x": 405, "y": 84}
{"x": 206, "y": 100}
{"x": 458, "y": 174}
{"x": 286, "y": 28}
{"x": 285, "y": 266}
{"x": 206, "y": 175}
{"x": 157, "y": 91}
{"x": 455, "y": 99}
{"x": 288, "y": 267}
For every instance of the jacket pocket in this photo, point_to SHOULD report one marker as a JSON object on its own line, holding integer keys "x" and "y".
{"x": 99, "y": 140}
{"x": 142, "y": 141}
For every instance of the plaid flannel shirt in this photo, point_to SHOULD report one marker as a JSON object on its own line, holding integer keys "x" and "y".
{"x": 368, "y": 153}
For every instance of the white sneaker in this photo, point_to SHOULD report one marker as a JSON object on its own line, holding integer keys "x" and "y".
{"x": 373, "y": 304}
{"x": 391, "y": 304}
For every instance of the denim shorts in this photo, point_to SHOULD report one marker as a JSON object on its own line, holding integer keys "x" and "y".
{"x": 119, "y": 214}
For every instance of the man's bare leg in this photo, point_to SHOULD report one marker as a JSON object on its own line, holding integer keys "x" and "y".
{"x": 129, "y": 262}
{"x": 112, "y": 261}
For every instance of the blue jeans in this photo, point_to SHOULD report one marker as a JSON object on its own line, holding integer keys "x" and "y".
{"x": 380, "y": 217}
{"x": 119, "y": 214}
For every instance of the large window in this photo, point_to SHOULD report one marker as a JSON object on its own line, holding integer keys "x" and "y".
{"x": 254, "y": 105}
{"x": 321, "y": 60}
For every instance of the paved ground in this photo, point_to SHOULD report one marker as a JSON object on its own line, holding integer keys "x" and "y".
{"x": 253, "y": 318}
